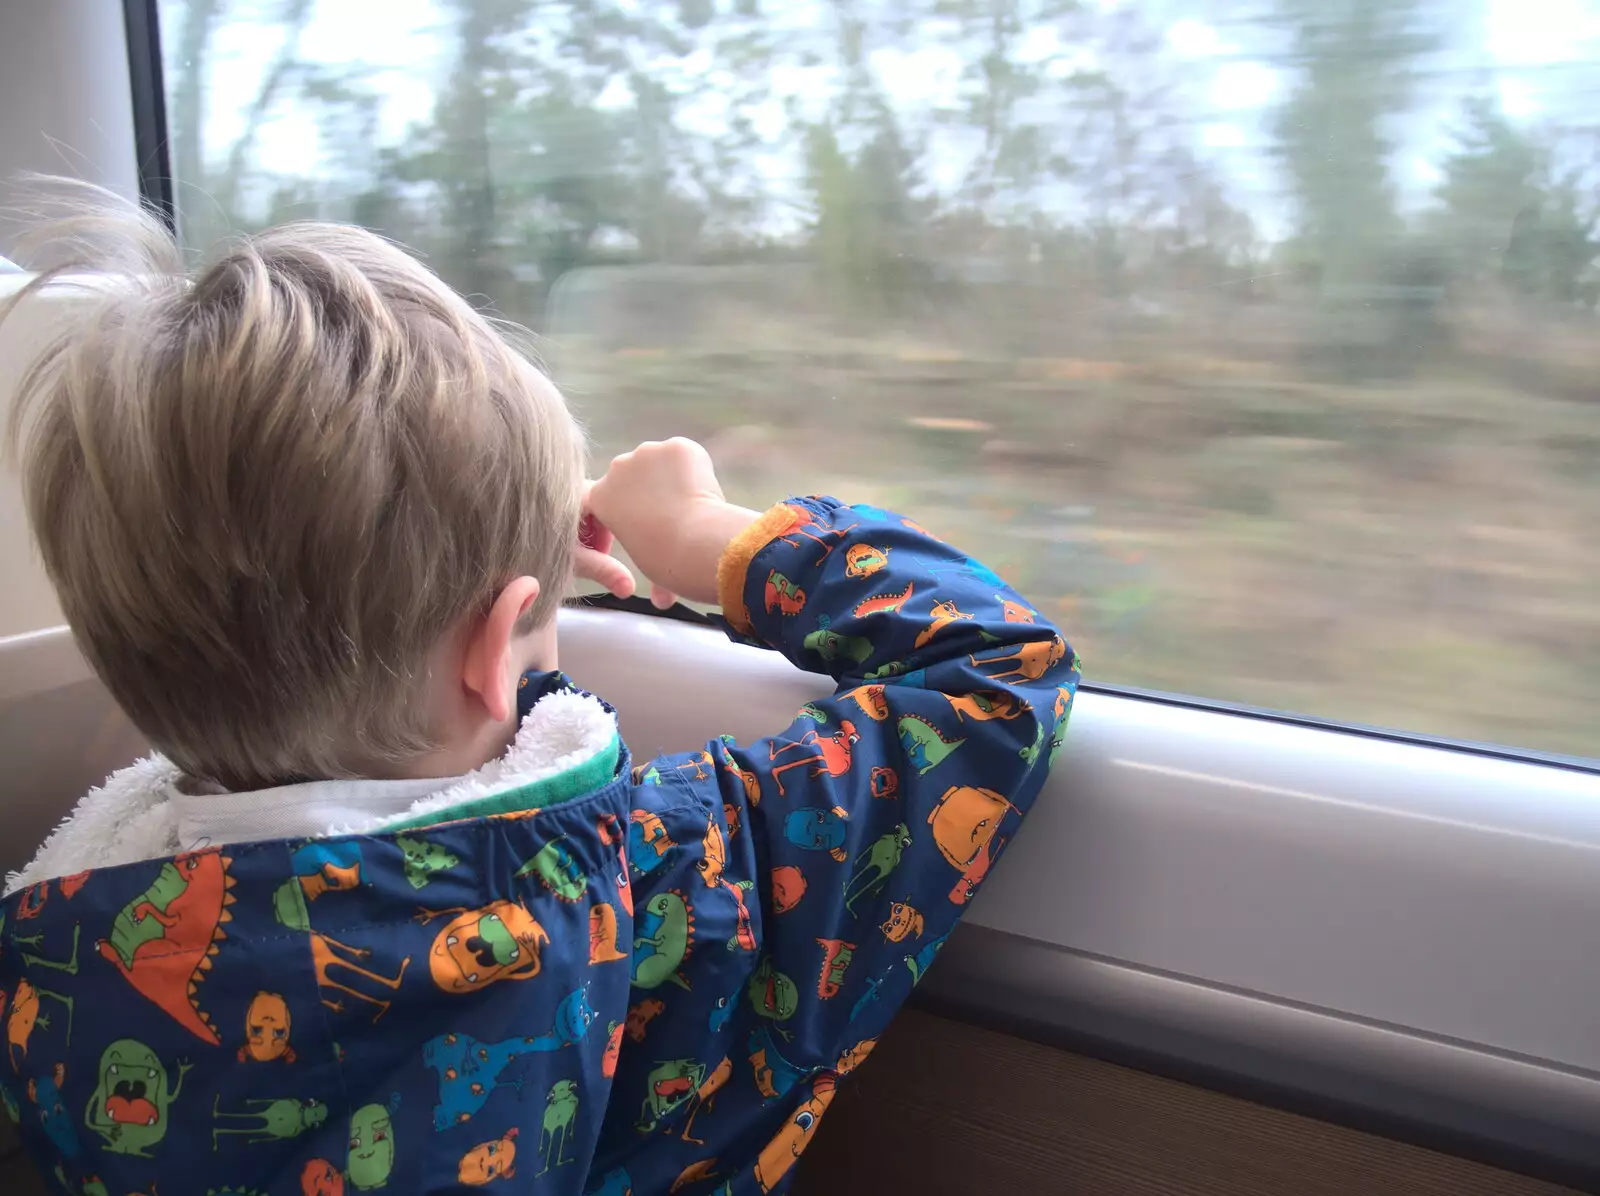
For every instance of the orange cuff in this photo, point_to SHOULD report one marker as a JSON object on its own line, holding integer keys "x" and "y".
{"x": 741, "y": 550}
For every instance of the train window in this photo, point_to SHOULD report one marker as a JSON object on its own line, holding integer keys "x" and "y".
{"x": 1258, "y": 341}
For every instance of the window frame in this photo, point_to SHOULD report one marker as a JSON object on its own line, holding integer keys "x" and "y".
{"x": 152, "y": 150}
{"x": 1287, "y": 718}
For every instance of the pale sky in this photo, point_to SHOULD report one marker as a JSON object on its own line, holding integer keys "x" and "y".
{"x": 1532, "y": 53}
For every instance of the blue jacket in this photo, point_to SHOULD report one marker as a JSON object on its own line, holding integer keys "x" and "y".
{"x": 653, "y": 985}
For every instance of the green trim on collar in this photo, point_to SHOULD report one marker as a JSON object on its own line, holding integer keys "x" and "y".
{"x": 580, "y": 779}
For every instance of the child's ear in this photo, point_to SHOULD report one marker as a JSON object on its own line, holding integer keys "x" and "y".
{"x": 486, "y": 667}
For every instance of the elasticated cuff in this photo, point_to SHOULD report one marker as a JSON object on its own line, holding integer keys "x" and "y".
{"x": 736, "y": 557}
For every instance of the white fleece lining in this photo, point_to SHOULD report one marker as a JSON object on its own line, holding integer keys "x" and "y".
{"x": 141, "y": 814}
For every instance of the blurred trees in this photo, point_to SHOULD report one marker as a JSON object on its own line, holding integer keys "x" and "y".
{"x": 1510, "y": 211}
{"x": 1060, "y": 142}
{"x": 1356, "y": 61}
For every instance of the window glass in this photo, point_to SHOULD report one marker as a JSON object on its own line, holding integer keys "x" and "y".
{"x": 1256, "y": 341}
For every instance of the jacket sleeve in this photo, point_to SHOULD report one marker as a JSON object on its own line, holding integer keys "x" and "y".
{"x": 861, "y": 832}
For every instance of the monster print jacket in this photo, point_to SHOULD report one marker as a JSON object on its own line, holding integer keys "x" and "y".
{"x": 567, "y": 973}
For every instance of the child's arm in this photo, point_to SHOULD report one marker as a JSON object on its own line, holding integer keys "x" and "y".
{"x": 824, "y": 867}
{"x": 888, "y": 802}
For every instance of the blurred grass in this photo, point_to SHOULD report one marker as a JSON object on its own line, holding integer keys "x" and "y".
{"x": 1420, "y": 555}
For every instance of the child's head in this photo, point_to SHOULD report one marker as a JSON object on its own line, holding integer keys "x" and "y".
{"x": 298, "y": 508}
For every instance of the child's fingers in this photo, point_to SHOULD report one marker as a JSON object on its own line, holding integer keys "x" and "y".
{"x": 592, "y": 559}
{"x": 604, "y": 570}
{"x": 594, "y": 534}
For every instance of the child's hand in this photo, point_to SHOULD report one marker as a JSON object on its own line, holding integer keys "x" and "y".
{"x": 663, "y": 504}
{"x": 592, "y": 559}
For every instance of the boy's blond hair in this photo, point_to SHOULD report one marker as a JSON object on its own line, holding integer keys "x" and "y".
{"x": 265, "y": 495}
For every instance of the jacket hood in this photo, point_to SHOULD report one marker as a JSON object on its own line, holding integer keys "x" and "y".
{"x": 566, "y": 744}
{"x": 306, "y": 1014}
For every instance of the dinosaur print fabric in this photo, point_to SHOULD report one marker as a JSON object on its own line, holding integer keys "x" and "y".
{"x": 656, "y": 986}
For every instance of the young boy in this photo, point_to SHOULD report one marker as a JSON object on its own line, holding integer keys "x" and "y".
{"x": 393, "y": 908}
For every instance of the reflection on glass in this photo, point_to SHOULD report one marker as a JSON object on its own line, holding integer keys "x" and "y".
{"x": 1256, "y": 340}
